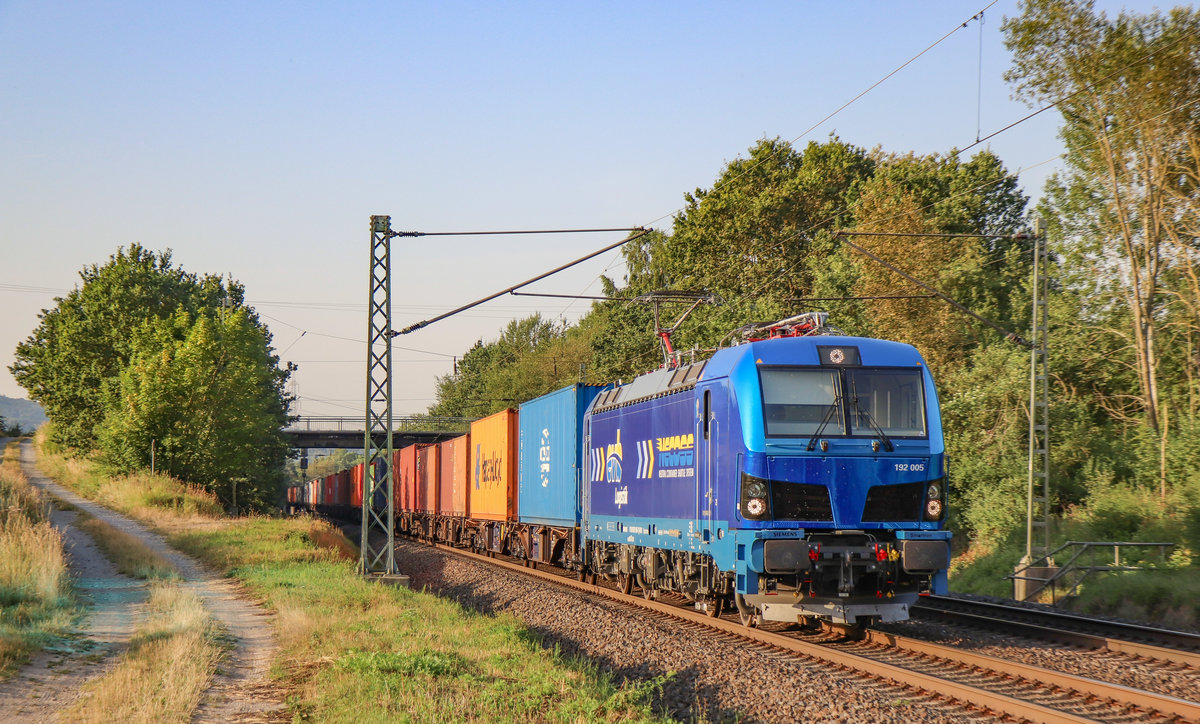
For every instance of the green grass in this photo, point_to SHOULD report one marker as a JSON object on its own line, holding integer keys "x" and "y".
{"x": 1168, "y": 598}
{"x": 1166, "y": 593}
{"x": 416, "y": 657}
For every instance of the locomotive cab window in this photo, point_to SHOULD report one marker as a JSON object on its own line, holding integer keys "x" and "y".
{"x": 856, "y": 401}
{"x": 892, "y": 401}
{"x": 801, "y": 401}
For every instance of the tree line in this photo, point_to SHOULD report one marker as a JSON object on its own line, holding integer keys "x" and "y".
{"x": 143, "y": 362}
{"x": 1123, "y": 221}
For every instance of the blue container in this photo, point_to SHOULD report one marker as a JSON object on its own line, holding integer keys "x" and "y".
{"x": 551, "y": 459}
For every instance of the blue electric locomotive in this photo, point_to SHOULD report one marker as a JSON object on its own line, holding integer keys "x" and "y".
{"x": 796, "y": 476}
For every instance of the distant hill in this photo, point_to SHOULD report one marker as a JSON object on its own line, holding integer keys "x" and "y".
{"x": 26, "y": 413}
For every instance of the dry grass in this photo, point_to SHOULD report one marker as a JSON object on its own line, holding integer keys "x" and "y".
{"x": 129, "y": 554}
{"x": 168, "y": 665}
{"x": 35, "y": 604}
{"x": 156, "y": 499}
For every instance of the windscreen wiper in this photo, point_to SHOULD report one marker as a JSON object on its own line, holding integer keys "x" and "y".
{"x": 830, "y": 413}
{"x": 887, "y": 442}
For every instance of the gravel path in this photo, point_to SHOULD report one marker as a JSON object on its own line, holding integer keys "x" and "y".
{"x": 241, "y": 691}
{"x": 713, "y": 680}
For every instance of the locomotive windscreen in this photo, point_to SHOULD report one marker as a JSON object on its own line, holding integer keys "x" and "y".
{"x": 797, "y": 400}
{"x": 892, "y": 399}
{"x": 805, "y": 401}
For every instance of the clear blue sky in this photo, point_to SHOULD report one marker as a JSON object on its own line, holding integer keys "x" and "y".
{"x": 256, "y": 139}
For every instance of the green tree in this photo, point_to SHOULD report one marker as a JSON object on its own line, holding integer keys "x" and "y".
{"x": 84, "y": 342}
{"x": 208, "y": 394}
{"x": 940, "y": 195}
{"x": 1123, "y": 87}
{"x": 532, "y": 356}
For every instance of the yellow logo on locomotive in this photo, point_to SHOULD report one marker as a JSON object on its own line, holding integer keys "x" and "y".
{"x": 612, "y": 463}
{"x": 676, "y": 442}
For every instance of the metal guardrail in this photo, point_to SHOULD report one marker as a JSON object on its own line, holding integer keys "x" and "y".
{"x": 1084, "y": 559}
{"x": 401, "y": 424}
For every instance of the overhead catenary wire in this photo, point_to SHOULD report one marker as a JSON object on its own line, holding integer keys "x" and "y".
{"x": 845, "y": 105}
{"x": 510, "y": 233}
{"x": 420, "y": 325}
{"x": 1089, "y": 86}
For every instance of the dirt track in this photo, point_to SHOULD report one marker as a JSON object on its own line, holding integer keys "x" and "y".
{"x": 241, "y": 691}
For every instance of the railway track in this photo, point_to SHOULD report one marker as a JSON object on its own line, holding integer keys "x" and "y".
{"x": 1174, "y": 647}
{"x": 980, "y": 683}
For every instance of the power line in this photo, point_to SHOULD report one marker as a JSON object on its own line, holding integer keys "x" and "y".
{"x": 568, "y": 265}
{"x": 1007, "y": 334}
{"x": 845, "y": 105}
{"x": 507, "y": 233}
{"x": 1090, "y": 86}
{"x": 565, "y": 296}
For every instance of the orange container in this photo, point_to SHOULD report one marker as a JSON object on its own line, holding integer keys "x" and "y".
{"x": 454, "y": 476}
{"x": 493, "y": 492}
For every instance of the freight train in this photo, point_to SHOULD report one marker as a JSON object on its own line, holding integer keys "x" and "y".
{"x": 795, "y": 475}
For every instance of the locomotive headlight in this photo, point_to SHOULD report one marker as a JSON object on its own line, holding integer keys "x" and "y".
{"x": 755, "y": 507}
{"x": 755, "y": 493}
{"x": 933, "y": 509}
{"x": 933, "y": 492}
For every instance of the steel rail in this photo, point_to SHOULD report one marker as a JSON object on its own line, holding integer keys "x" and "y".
{"x": 999, "y": 617}
{"x": 939, "y": 687}
{"x": 1145, "y": 700}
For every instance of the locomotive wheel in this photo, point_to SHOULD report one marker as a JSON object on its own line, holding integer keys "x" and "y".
{"x": 625, "y": 583}
{"x": 747, "y": 613}
{"x": 647, "y": 588}
{"x": 714, "y": 607}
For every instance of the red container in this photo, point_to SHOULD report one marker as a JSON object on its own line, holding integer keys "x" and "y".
{"x": 494, "y": 443}
{"x": 354, "y": 480}
{"x": 399, "y": 494}
{"x": 327, "y": 490}
{"x": 406, "y": 469}
{"x": 427, "y": 478}
{"x": 314, "y": 492}
{"x": 453, "y": 476}
{"x": 341, "y": 491}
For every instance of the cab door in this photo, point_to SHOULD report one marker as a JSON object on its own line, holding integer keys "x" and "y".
{"x": 707, "y": 436}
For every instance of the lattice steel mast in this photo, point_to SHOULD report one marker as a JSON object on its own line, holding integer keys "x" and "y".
{"x": 379, "y": 515}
